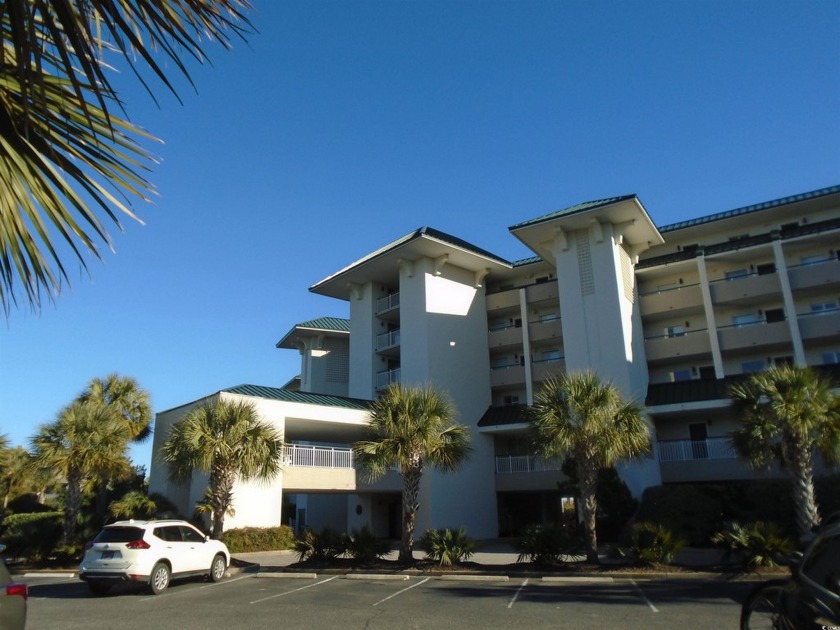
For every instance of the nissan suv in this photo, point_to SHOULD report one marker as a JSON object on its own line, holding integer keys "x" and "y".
{"x": 152, "y": 553}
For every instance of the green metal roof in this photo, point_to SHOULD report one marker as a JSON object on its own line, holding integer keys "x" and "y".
{"x": 814, "y": 194}
{"x": 337, "y": 324}
{"x": 581, "y": 207}
{"x": 288, "y": 395}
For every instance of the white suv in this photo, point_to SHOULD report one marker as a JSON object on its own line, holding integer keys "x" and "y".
{"x": 152, "y": 552}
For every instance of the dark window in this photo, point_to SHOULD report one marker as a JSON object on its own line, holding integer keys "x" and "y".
{"x": 774, "y": 315}
{"x": 170, "y": 534}
{"x": 762, "y": 270}
{"x": 119, "y": 535}
{"x": 190, "y": 535}
{"x": 697, "y": 434}
{"x": 707, "y": 372}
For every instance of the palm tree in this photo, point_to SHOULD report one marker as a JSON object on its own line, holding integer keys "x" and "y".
{"x": 129, "y": 404}
{"x": 68, "y": 161}
{"x": 84, "y": 443}
{"x": 15, "y": 473}
{"x": 227, "y": 440}
{"x": 786, "y": 414}
{"x": 577, "y": 415}
{"x": 411, "y": 427}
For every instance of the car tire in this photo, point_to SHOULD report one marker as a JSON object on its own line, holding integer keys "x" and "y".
{"x": 218, "y": 568}
{"x": 159, "y": 579}
{"x": 98, "y": 588}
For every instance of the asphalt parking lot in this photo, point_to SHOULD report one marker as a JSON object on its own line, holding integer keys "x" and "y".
{"x": 247, "y": 600}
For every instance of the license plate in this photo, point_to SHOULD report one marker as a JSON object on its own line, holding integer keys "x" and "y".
{"x": 108, "y": 555}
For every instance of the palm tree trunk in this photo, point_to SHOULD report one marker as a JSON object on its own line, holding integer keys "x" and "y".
{"x": 221, "y": 491}
{"x": 807, "y": 515}
{"x": 411, "y": 503}
{"x": 588, "y": 480}
{"x": 71, "y": 509}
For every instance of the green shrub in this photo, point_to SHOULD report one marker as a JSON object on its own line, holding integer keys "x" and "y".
{"x": 364, "y": 547}
{"x": 248, "y": 539}
{"x": 447, "y": 546}
{"x": 32, "y": 536}
{"x": 328, "y": 544}
{"x": 543, "y": 544}
{"x": 755, "y": 544}
{"x": 693, "y": 510}
{"x": 652, "y": 544}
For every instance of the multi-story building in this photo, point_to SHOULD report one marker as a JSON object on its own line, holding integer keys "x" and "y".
{"x": 671, "y": 315}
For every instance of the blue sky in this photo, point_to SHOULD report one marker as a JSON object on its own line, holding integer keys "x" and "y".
{"x": 344, "y": 125}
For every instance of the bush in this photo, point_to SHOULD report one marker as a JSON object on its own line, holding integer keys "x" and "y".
{"x": 326, "y": 545}
{"x": 652, "y": 544}
{"x": 32, "y": 536}
{"x": 693, "y": 510}
{"x": 248, "y": 539}
{"x": 364, "y": 547}
{"x": 543, "y": 544}
{"x": 755, "y": 544}
{"x": 447, "y": 547}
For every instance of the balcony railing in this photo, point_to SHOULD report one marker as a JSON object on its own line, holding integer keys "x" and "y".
{"x": 386, "y": 378}
{"x": 387, "y": 302}
{"x": 694, "y": 450}
{"x": 317, "y": 456}
{"x": 507, "y": 464}
{"x": 388, "y": 340}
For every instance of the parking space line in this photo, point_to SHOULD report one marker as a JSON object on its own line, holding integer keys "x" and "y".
{"x": 643, "y": 596}
{"x": 226, "y": 581}
{"x": 407, "y": 588}
{"x": 515, "y": 595}
{"x": 302, "y": 588}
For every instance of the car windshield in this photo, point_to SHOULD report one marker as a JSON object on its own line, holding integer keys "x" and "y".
{"x": 119, "y": 535}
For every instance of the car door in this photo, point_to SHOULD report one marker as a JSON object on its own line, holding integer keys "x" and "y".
{"x": 173, "y": 547}
{"x": 195, "y": 550}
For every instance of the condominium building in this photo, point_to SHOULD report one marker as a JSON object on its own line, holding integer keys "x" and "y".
{"x": 670, "y": 314}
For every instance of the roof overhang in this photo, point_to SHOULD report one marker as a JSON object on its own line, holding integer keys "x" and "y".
{"x": 626, "y": 214}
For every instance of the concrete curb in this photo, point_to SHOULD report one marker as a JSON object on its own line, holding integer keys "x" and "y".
{"x": 377, "y": 576}
{"x": 293, "y": 576}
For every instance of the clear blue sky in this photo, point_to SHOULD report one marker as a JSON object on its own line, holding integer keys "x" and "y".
{"x": 344, "y": 125}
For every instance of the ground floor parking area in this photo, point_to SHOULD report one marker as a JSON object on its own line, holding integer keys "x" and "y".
{"x": 248, "y": 601}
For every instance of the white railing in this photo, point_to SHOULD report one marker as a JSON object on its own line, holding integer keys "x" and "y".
{"x": 386, "y": 378}
{"x": 317, "y": 456}
{"x": 387, "y": 303}
{"x": 694, "y": 450}
{"x": 506, "y": 464}
{"x": 388, "y": 340}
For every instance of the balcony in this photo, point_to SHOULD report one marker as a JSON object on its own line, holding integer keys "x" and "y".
{"x": 690, "y": 344}
{"x": 504, "y": 337}
{"x": 388, "y": 343}
{"x": 503, "y": 302}
{"x": 505, "y": 375}
{"x": 815, "y": 276}
{"x": 679, "y": 301}
{"x": 545, "y": 329}
{"x": 749, "y": 289}
{"x": 507, "y": 464}
{"x": 317, "y": 468}
{"x": 527, "y": 473}
{"x": 544, "y": 293}
{"x": 691, "y": 450}
{"x": 712, "y": 459}
{"x": 317, "y": 456}
{"x": 544, "y": 369}
{"x": 388, "y": 305}
{"x": 386, "y": 378}
{"x": 822, "y": 325}
{"x": 759, "y": 334}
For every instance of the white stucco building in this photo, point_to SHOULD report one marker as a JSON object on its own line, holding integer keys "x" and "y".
{"x": 669, "y": 314}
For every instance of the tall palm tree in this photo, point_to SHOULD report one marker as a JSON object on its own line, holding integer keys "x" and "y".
{"x": 85, "y": 442}
{"x": 411, "y": 428}
{"x": 227, "y": 440}
{"x": 68, "y": 161}
{"x": 786, "y": 414}
{"x": 128, "y": 403}
{"x": 578, "y": 415}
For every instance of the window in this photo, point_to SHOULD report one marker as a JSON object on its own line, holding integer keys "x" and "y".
{"x": 746, "y": 319}
{"x": 707, "y": 372}
{"x": 681, "y": 375}
{"x": 812, "y": 260}
{"x": 551, "y": 355}
{"x": 675, "y": 331}
{"x": 764, "y": 269}
{"x": 748, "y": 367}
{"x": 774, "y": 315}
{"x": 830, "y": 358}
{"x": 736, "y": 274}
{"x": 547, "y": 317}
{"x": 511, "y": 399}
{"x": 823, "y": 308}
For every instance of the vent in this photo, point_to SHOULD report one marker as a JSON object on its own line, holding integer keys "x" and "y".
{"x": 584, "y": 255}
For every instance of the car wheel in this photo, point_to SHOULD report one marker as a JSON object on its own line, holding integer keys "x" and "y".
{"x": 99, "y": 588}
{"x": 218, "y": 568}
{"x": 159, "y": 579}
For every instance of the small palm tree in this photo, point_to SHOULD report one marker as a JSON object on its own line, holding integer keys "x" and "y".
{"x": 786, "y": 414}
{"x": 226, "y": 440}
{"x": 15, "y": 473}
{"x": 128, "y": 403}
{"x": 411, "y": 427}
{"x": 84, "y": 443}
{"x": 578, "y": 415}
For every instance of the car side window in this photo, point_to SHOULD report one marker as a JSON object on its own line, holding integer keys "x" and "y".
{"x": 190, "y": 535}
{"x": 169, "y": 534}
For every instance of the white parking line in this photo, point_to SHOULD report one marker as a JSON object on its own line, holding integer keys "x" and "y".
{"x": 408, "y": 588}
{"x": 302, "y": 588}
{"x": 644, "y": 597}
{"x": 519, "y": 590}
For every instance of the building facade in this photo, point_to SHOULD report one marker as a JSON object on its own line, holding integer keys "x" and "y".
{"x": 671, "y": 315}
